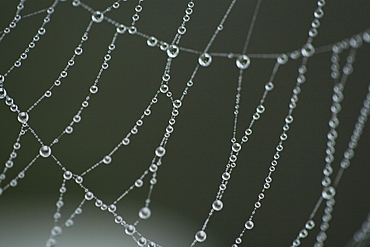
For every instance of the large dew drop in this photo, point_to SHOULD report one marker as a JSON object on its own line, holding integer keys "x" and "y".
{"x": 308, "y": 50}
{"x": 160, "y": 151}
{"x": 201, "y": 236}
{"x": 97, "y": 17}
{"x": 243, "y": 62}
{"x": 2, "y": 93}
{"x": 45, "y": 151}
{"x": 205, "y": 60}
{"x": 145, "y": 213}
{"x": 173, "y": 51}
{"x": 23, "y": 117}
{"x": 249, "y": 225}
{"x": 217, "y": 205}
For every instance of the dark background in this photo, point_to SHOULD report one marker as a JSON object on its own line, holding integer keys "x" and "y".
{"x": 198, "y": 150}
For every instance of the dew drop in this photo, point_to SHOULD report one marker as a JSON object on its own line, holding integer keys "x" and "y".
{"x": 177, "y": 103}
{"x": 107, "y": 160}
{"x": 67, "y": 175}
{"x": 217, "y": 205}
{"x": 145, "y": 213}
{"x": 152, "y": 41}
{"x": 236, "y": 147}
{"x": 173, "y": 51}
{"x": 121, "y": 29}
{"x": 89, "y": 195}
{"x": 2, "y": 93}
{"x": 56, "y": 231}
{"x": 243, "y": 62}
{"x": 308, "y": 50}
{"x": 282, "y": 59}
{"x": 200, "y": 236}
{"x": 23, "y": 117}
{"x": 45, "y": 151}
{"x": 130, "y": 230}
{"x": 78, "y": 51}
{"x": 97, "y": 17}
{"x": 249, "y": 225}
{"x": 205, "y": 59}
{"x": 139, "y": 183}
{"x": 160, "y": 151}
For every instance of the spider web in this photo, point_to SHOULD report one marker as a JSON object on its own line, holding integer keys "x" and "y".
{"x": 199, "y": 147}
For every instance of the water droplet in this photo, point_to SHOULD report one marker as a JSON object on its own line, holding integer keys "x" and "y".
{"x": 45, "y": 151}
{"x": 160, "y": 151}
{"x": 139, "y": 183}
{"x": 328, "y": 193}
{"x": 173, "y": 51}
{"x": 78, "y": 51}
{"x": 107, "y": 160}
{"x": 56, "y": 231}
{"x": 89, "y": 195}
{"x": 132, "y": 30}
{"x": 94, "y": 89}
{"x": 79, "y": 179}
{"x": 243, "y": 62}
{"x": 163, "y": 88}
{"x": 308, "y": 50}
{"x": 249, "y": 225}
{"x": 145, "y": 213}
{"x": 77, "y": 118}
{"x": 226, "y": 176}
{"x": 112, "y": 208}
{"x": 205, "y": 60}
{"x": 23, "y": 117}
{"x": 121, "y": 29}
{"x": 141, "y": 241}
{"x": 200, "y": 236}
{"x": 217, "y": 205}
{"x": 236, "y": 147}
{"x": 130, "y": 230}
{"x": 282, "y": 59}
{"x": 310, "y": 224}
{"x": 97, "y": 17}
{"x": 69, "y": 223}
{"x": 152, "y": 41}
{"x": 51, "y": 242}
{"x": 69, "y": 129}
{"x": 181, "y": 30}
{"x": 177, "y": 103}
{"x": 2, "y": 93}
{"x": 2, "y": 78}
{"x": 67, "y": 175}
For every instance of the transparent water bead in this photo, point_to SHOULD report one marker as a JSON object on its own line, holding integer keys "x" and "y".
{"x": 328, "y": 193}
{"x": 89, "y": 195}
{"x": 97, "y": 17}
{"x": 67, "y": 175}
{"x": 139, "y": 183}
{"x": 173, "y": 51}
{"x": 217, "y": 205}
{"x": 236, "y": 147}
{"x": 282, "y": 59}
{"x": 308, "y": 50}
{"x": 130, "y": 230}
{"x": 2, "y": 78}
{"x": 2, "y": 93}
{"x": 160, "y": 151}
{"x": 121, "y": 29}
{"x": 152, "y": 41}
{"x": 23, "y": 117}
{"x": 107, "y": 160}
{"x": 243, "y": 62}
{"x": 56, "y": 231}
{"x": 205, "y": 60}
{"x": 141, "y": 241}
{"x": 45, "y": 151}
{"x": 145, "y": 213}
{"x": 249, "y": 225}
{"x": 201, "y": 236}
